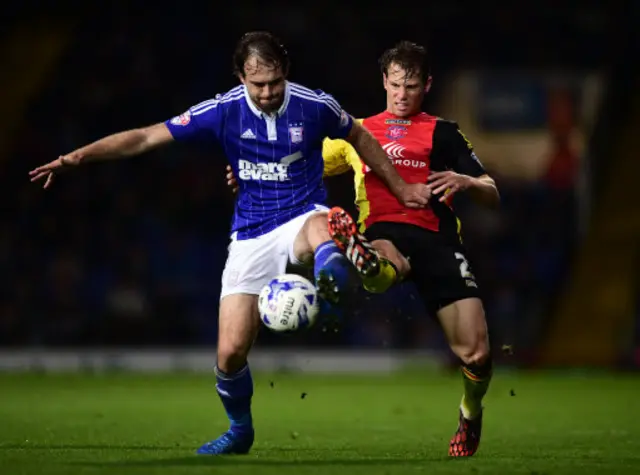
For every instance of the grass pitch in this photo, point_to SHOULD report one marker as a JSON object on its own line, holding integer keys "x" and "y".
{"x": 401, "y": 424}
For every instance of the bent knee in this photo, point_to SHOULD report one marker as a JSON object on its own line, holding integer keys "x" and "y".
{"x": 473, "y": 349}
{"x": 232, "y": 357}
{"x": 474, "y": 354}
{"x": 388, "y": 250}
{"x": 233, "y": 351}
{"x": 317, "y": 222}
{"x": 313, "y": 233}
{"x": 402, "y": 265}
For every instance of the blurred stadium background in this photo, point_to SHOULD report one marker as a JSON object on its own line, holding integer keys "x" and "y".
{"x": 130, "y": 254}
{"x": 118, "y": 267}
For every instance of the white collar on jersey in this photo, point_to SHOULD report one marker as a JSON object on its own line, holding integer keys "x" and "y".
{"x": 263, "y": 115}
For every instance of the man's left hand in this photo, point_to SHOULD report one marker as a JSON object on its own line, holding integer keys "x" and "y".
{"x": 448, "y": 183}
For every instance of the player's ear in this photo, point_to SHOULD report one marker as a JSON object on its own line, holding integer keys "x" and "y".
{"x": 427, "y": 86}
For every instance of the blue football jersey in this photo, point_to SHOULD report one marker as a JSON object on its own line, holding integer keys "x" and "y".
{"x": 277, "y": 159}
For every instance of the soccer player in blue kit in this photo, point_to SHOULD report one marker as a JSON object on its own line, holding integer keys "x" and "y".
{"x": 271, "y": 131}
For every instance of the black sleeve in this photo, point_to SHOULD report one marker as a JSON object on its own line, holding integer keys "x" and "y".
{"x": 453, "y": 151}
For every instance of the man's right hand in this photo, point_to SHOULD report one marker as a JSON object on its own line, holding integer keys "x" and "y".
{"x": 49, "y": 170}
{"x": 415, "y": 195}
{"x": 231, "y": 180}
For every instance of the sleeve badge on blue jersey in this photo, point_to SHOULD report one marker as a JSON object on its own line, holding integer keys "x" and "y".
{"x": 296, "y": 134}
{"x": 182, "y": 119}
{"x": 344, "y": 119}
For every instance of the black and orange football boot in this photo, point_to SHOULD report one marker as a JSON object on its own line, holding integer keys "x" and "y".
{"x": 356, "y": 248}
{"x": 466, "y": 440}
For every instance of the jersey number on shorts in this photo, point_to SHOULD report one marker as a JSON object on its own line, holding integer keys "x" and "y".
{"x": 464, "y": 266}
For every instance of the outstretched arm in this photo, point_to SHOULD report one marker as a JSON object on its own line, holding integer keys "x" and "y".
{"x": 120, "y": 145}
{"x": 124, "y": 144}
{"x": 202, "y": 120}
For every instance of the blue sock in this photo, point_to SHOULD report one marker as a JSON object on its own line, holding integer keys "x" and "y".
{"x": 235, "y": 391}
{"x": 328, "y": 258}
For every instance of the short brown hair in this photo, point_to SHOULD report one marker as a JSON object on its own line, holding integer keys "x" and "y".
{"x": 411, "y": 57}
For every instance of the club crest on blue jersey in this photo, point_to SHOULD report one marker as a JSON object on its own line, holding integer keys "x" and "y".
{"x": 296, "y": 133}
{"x": 182, "y": 119}
{"x": 396, "y": 132}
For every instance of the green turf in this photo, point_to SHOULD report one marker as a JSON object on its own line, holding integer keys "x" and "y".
{"x": 133, "y": 424}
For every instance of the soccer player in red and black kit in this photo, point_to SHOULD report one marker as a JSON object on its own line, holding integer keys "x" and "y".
{"x": 424, "y": 244}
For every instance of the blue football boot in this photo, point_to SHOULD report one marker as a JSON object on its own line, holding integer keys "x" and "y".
{"x": 231, "y": 442}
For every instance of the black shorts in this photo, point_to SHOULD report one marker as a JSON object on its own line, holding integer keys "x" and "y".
{"x": 439, "y": 266}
